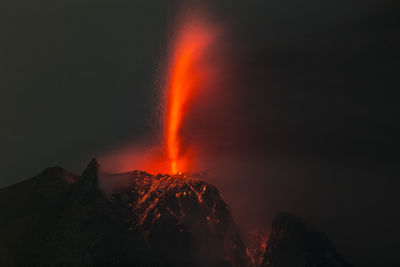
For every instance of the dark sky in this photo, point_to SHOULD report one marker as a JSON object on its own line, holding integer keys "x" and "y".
{"x": 321, "y": 86}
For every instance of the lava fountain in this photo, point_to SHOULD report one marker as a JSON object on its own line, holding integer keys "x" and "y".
{"x": 192, "y": 69}
{"x": 188, "y": 73}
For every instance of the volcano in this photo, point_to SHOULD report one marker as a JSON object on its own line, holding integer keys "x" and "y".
{"x": 60, "y": 219}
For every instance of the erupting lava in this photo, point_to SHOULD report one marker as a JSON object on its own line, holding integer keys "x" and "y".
{"x": 190, "y": 75}
{"x": 187, "y": 74}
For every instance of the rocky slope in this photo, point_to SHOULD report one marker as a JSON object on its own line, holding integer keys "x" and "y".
{"x": 60, "y": 219}
{"x": 57, "y": 218}
{"x": 292, "y": 243}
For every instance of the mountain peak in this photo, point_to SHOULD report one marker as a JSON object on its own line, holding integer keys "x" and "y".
{"x": 293, "y": 242}
{"x": 93, "y": 165}
{"x": 187, "y": 211}
{"x": 157, "y": 220}
{"x": 87, "y": 184}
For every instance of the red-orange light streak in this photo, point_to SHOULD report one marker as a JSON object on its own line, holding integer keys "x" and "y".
{"x": 184, "y": 77}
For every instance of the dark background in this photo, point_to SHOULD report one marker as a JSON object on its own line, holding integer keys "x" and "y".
{"x": 320, "y": 102}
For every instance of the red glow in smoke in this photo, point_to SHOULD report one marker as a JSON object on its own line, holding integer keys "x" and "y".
{"x": 187, "y": 73}
{"x": 191, "y": 74}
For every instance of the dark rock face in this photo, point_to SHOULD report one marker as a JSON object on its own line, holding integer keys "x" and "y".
{"x": 190, "y": 214}
{"x": 59, "y": 219}
{"x": 293, "y": 244}
{"x": 29, "y": 211}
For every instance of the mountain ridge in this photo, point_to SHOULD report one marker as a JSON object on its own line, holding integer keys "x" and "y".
{"x": 137, "y": 219}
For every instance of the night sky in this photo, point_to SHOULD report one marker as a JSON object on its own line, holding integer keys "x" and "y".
{"x": 319, "y": 103}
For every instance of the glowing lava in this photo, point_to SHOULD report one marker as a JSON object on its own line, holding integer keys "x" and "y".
{"x": 191, "y": 73}
{"x": 187, "y": 73}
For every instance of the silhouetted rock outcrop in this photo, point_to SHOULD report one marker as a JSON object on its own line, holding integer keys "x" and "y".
{"x": 86, "y": 186}
{"x": 294, "y": 244}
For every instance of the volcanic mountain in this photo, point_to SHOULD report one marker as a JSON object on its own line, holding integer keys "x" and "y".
{"x": 60, "y": 219}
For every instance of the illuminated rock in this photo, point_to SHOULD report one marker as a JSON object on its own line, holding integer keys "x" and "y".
{"x": 138, "y": 219}
{"x": 185, "y": 221}
{"x": 59, "y": 219}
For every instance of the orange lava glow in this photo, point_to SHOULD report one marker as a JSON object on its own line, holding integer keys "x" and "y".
{"x": 191, "y": 72}
{"x": 185, "y": 77}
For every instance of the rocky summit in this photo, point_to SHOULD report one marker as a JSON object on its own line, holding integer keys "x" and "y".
{"x": 137, "y": 219}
